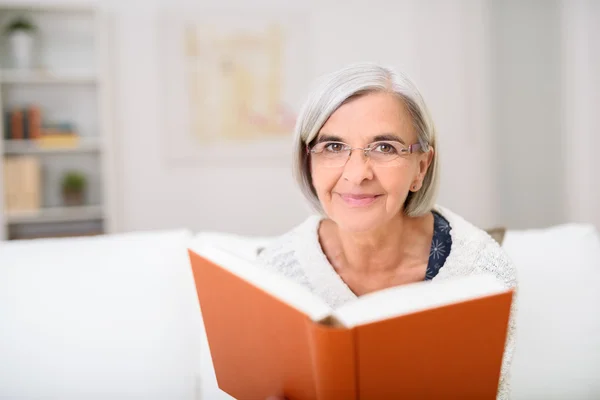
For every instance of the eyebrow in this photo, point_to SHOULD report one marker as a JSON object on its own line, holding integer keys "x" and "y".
{"x": 329, "y": 138}
{"x": 387, "y": 137}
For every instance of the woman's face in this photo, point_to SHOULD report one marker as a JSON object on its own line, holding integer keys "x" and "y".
{"x": 366, "y": 193}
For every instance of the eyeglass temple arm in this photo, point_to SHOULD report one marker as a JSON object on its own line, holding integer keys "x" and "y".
{"x": 414, "y": 147}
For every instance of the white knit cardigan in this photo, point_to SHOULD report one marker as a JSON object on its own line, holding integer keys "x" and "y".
{"x": 298, "y": 255}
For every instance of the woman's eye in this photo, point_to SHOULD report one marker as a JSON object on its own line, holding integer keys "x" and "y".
{"x": 385, "y": 148}
{"x": 334, "y": 147}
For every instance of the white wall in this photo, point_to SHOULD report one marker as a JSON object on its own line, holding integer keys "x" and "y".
{"x": 438, "y": 42}
{"x": 545, "y": 105}
{"x": 527, "y": 112}
{"x": 156, "y": 195}
{"x": 511, "y": 85}
{"x": 581, "y": 83}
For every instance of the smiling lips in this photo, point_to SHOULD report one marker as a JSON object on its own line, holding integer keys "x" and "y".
{"x": 359, "y": 200}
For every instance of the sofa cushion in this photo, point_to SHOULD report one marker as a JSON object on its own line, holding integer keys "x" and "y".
{"x": 105, "y": 317}
{"x": 558, "y": 319}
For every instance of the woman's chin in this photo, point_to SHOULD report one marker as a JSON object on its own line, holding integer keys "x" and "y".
{"x": 359, "y": 222}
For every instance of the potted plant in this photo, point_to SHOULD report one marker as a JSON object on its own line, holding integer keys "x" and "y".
{"x": 20, "y": 33}
{"x": 73, "y": 188}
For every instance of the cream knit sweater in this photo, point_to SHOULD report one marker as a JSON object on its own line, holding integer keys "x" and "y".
{"x": 298, "y": 256}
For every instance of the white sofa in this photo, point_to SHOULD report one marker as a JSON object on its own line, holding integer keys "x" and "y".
{"x": 117, "y": 316}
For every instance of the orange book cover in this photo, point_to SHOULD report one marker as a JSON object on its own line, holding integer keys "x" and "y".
{"x": 270, "y": 336}
{"x": 34, "y": 116}
{"x": 17, "y": 128}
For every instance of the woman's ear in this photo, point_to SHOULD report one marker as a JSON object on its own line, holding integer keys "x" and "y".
{"x": 424, "y": 163}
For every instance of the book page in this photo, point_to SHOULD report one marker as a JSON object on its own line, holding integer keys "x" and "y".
{"x": 288, "y": 291}
{"x": 406, "y": 299}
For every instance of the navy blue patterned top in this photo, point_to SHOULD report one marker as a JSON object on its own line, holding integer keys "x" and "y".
{"x": 440, "y": 245}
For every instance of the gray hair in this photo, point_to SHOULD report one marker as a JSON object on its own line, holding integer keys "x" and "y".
{"x": 337, "y": 88}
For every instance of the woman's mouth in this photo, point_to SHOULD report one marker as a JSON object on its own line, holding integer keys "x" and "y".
{"x": 359, "y": 200}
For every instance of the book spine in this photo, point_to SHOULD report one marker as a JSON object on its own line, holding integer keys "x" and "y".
{"x": 26, "y": 123}
{"x": 8, "y": 189}
{"x": 7, "y": 125}
{"x": 16, "y": 125}
{"x": 333, "y": 357}
{"x": 35, "y": 122}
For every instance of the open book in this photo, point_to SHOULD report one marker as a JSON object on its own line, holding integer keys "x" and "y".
{"x": 271, "y": 336}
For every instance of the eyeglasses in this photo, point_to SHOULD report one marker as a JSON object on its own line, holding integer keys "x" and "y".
{"x": 337, "y": 154}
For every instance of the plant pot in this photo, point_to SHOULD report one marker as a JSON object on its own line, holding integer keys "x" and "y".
{"x": 21, "y": 45}
{"x": 73, "y": 198}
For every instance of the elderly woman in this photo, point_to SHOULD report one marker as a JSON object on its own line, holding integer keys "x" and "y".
{"x": 366, "y": 159}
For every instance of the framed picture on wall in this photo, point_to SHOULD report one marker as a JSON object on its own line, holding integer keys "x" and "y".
{"x": 232, "y": 83}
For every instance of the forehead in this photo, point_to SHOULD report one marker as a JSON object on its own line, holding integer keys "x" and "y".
{"x": 370, "y": 115}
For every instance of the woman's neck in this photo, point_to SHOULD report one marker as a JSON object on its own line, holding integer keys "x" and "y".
{"x": 384, "y": 250}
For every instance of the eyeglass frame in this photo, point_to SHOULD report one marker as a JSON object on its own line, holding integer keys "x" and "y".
{"x": 411, "y": 148}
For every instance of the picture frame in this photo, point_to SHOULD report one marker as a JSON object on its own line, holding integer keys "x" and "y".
{"x": 232, "y": 84}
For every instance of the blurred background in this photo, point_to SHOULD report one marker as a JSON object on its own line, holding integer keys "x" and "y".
{"x": 159, "y": 114}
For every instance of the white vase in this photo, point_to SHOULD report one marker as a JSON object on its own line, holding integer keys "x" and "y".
{"x": 21, "y": 49}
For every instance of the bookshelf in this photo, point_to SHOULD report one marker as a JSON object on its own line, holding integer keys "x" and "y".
{"x": 8, "y": 76}
{"x": 55, "y": 214}
{"x": 56, "y": 119}
{"x": 84, "y": 145}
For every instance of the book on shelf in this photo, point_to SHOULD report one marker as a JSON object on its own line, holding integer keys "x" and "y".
{"x": 269, "y": 336}
{"x": 57, "y": 140}
{"x": 26, "y": 123}
{"x": 22, "y": 183}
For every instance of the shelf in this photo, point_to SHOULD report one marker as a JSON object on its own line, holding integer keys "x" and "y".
{"x": 86, "y": 6}
{"x": 55, "y": 214}
{"x": 70, "y": 82}
{"x": 8, "y": 76}
{"x": 17, "y": 147}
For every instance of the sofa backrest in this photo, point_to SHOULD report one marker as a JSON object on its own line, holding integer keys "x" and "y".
{"x": 558, "y": 318}
{"x": 117, "y": 316}
{"x": 111, "y": 317}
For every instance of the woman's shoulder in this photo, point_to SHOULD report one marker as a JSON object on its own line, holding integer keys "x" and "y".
{"x": 461, "y": 226}
{"x": 282, "y": 252}
{"x": 475, "y": 250}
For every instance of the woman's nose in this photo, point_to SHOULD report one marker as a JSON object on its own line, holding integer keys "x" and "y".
{"x": 358, "y": 167}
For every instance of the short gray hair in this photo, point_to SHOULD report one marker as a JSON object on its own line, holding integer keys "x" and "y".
{"x": 337, "y": 88}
